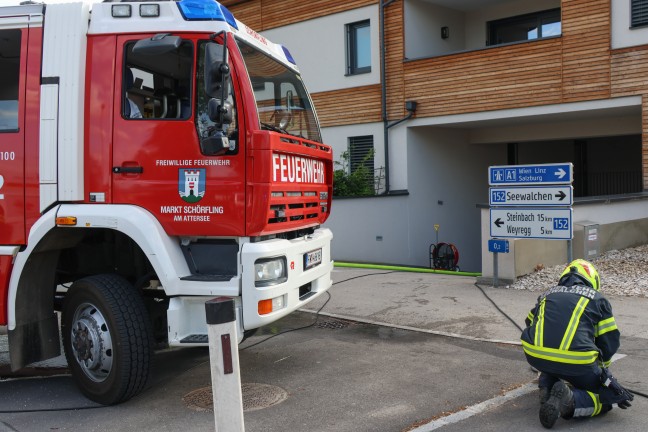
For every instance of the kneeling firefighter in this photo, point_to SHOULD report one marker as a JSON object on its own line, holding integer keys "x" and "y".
{"x": 571, "y": 335}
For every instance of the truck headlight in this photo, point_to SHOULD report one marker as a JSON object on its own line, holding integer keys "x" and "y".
{"x": 270, "y": 271}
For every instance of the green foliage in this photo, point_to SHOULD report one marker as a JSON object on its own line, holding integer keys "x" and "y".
{"x": 357, "y": 183}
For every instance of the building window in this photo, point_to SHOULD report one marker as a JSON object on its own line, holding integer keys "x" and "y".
{"x": 358, "y": 48}
{"x": 9, "y": 79}
{"x": 639, "y": 13}
{"x": 524, "y": 27}
{"x": 361, "y": 157}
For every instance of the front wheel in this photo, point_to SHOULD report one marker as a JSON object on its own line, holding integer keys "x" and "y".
{"x": 106, "y": 338}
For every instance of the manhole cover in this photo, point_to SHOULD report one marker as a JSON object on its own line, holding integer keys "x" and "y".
{"x": 255, "y": 397}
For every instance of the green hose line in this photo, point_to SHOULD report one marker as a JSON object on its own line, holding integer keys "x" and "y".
{"x": 404, "y": 269}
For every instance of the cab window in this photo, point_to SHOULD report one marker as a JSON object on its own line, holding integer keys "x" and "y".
{"x": 157, "y": 86}
{"x": 9, "y": 79}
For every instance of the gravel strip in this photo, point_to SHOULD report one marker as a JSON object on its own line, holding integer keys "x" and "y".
{"x": 623, "y": 272}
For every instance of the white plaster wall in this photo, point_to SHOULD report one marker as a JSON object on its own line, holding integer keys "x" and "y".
{"x": 319, "y": 48}
{"x": 338, "y": 138}
{"x": 622, "y": 35}
{"x": 423, "y": 22}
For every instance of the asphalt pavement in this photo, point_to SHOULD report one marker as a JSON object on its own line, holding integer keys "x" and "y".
{"x": 388, "y": 351}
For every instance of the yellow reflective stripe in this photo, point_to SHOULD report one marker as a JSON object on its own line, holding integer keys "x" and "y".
{"x": 573, "y": 323}
{"x": 530, "y": 316}
{"x": 597, "y": 403}
{"x": 560, "y": 356}
{"x": 607, "y": 363}
{"x": 607, "y": 325}
{"x": 539, "y": 327}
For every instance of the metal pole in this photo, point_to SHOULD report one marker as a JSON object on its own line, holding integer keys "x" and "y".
{"x": 495, "y": 281}
{"x": 570, "y": 251}
{"x": 224, "y": 361}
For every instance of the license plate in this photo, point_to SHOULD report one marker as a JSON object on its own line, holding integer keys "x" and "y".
{"x": 312, "y": 258}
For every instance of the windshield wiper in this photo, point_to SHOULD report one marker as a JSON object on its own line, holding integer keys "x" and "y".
{"x": 275, "y": 128}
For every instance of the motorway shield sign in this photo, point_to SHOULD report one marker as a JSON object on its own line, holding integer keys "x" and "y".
{"x": 532, "y": 223}
{"x": 531, "y": 196}
{"x": 562, "y": 173}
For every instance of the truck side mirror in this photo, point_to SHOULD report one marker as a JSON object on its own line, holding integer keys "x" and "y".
{"x": 215, "y": 110}
{"x": 216, "y": 144}
{"x": 216, "y": 71}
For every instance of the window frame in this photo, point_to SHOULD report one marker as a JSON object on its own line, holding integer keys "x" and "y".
{"x": 642, "y": 20}
{"x": 364, "y": 144}
{"x": 352, "y": 48}
{"x": 492, "y": 26}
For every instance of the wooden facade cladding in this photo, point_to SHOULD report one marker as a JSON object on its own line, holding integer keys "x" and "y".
{"x": 348, "y": 106}
{"x": 586, "y": 34}
{"x": 629, "y": 77}
{"x": 497, "y": 78}
{"x": 573, "y": 67}
{"x": 267, "y": 14}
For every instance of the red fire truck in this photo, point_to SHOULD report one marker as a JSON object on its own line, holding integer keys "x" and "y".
{"x": 153, "y": 155}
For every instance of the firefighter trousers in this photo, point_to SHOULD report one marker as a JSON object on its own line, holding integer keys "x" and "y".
{"x": 590, "y": 396}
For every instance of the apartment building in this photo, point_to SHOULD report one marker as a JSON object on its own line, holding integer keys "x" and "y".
{"x": 429, "y": 93}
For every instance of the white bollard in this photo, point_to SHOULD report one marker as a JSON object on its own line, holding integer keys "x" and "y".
{"x": 224, "y": 361}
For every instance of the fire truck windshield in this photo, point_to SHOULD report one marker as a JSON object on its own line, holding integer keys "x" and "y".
{"x": 282, "y": 101}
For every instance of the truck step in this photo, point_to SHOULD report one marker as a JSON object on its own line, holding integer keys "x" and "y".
{"x": 195, "y": 338}
{"x": 208, "y": 277}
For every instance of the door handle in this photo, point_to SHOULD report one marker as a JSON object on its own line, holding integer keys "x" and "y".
{"x": 128, "y": 170}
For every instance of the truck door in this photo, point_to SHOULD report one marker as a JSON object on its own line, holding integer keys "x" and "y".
{"x": 161, "y": 111}
{"x": 13, "y": 76}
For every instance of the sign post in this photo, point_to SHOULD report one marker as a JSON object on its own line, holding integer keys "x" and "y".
{"x": 530, "y": 201}
{"x": 497, "y": 246}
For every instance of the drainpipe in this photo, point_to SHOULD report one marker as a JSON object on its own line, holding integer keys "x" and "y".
{"x": 383, "y": 89}
{"x": 410, "y": 106}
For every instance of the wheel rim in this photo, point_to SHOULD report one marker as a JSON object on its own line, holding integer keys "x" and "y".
{"x": 91, "y": 342}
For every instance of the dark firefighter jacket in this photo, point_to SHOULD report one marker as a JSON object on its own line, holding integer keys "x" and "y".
{"x": 569, "y": 329}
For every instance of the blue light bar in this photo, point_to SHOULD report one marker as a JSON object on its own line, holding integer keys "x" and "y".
{"x": 288, "y": 55}
{"x": 205, "y": 10}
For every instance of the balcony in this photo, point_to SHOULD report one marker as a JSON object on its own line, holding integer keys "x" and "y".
{"x": 440, "y": 27}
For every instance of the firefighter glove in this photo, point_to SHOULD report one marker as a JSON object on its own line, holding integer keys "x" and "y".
{"x": 610, "y": 382}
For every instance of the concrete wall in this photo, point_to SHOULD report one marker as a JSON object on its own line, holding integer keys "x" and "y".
{"x": 622, "y": 223}
{"x": 374, "y": 230}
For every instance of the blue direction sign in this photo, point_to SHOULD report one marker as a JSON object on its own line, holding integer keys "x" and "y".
{"x": 554, "y": 196}
{"x": 498, "y": 245}
{"x": 536, "y": 223}
{"x": 561, "y": 173}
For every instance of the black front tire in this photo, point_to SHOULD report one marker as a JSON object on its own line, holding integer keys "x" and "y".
{"x": 107, "y": 338}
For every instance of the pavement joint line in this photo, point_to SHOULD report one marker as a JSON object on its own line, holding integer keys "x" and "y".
{"x": 478, "y": 408}
{"x": 416, "y": 329}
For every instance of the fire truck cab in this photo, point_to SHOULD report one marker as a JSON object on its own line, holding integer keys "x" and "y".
{"x": 153, "y": 156}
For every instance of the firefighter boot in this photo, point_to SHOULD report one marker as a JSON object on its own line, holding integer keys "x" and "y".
{"x": 544, "y": 394}
{"x": 560, "y": 403}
